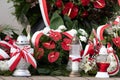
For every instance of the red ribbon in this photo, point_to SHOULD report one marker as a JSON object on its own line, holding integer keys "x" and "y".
{"x": 21, "y": 53}
{"x": 44, "y": 12}
{"x": 103, "y": 66}
{"x": 77, "y": 59}
{"x": 3, "y": 54}
{"x": 118, "y": 67}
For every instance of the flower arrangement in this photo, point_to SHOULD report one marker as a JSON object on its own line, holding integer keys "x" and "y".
{"x": 56, "y": 43}
{"x": 74, "y": 14}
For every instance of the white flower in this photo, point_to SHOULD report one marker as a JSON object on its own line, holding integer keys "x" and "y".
{"x": 4, "y": 65}
{"x": 61, "y": 28}
{"x": 83, "y": 32}
{"x": 87, "y": 64}
{"x": 83, "y": 38}
{"x": 87, "y": 67}
{"x": 72, "y": 32}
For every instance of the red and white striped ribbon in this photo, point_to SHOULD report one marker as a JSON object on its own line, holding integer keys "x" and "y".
{"x": 24, "y": 53}
{"x": 3, "y": 55}
{"x": 117, "y": 20}
{"x": 100, "y": 31}
{"x": 36, "y": 38}
{"x": 44, "y": 12}
{"x": 8, "y": 45}
{"x": 111, "y": 53}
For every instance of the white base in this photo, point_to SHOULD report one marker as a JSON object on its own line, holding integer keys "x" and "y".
{"x": 22, "y": 73}
{"x": 102, "y": 75}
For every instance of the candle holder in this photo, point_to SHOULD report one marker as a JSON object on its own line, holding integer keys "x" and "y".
{"x": 22, "y": 45}
{"x": 75, "y": 57}
{"x": 102, "y": 63}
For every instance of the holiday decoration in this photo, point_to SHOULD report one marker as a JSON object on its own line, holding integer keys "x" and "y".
{"x": 21, "y": 57}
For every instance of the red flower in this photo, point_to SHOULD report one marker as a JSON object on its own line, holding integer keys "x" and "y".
{"x": 56, "y": 36}
{"x": 116, "y": 41}
{"x": 53, "y": 56}
{"x": 85, "y": 2}
{"x": 58, "y": 3}
{"x": 49, "y": 45}
{"x": 84, "y": 14}
{"x": 70, "y": 9}
{"x": 66, "y": 43}
{"x": 41, "y": 53}
{"x": 99, "y": 3}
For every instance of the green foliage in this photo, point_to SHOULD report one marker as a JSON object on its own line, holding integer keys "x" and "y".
{"x": 56, "y": 21}
{"x": 5, "y": 73}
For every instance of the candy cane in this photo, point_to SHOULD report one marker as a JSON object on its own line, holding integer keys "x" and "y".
{"x": 44, "y": 12}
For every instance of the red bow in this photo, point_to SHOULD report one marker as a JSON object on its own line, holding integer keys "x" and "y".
{"x": 24, "y": 53}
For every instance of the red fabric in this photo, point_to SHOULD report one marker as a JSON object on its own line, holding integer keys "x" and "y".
{"x": 102, "y": 30}
{"x": 67, "y": 34}
{"x": 91, "y": 50}
{"x": 46, "y": 11}
{"x": 13, "y": 66}
{"x": 37, "y": 40}
{"x": 22, "y": 53}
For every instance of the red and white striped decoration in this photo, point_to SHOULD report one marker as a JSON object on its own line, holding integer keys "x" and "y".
{"x": 100, "y": 31}
{"x": 24, "y": 53}
{"x": 36, "y": 38}
{"x": 117, "y": 20}
{"x": 3, "y": 55}
{"x": 111, "y": 53}
{"x": 44, "y": 12}
{"x": 6, "y": 43}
